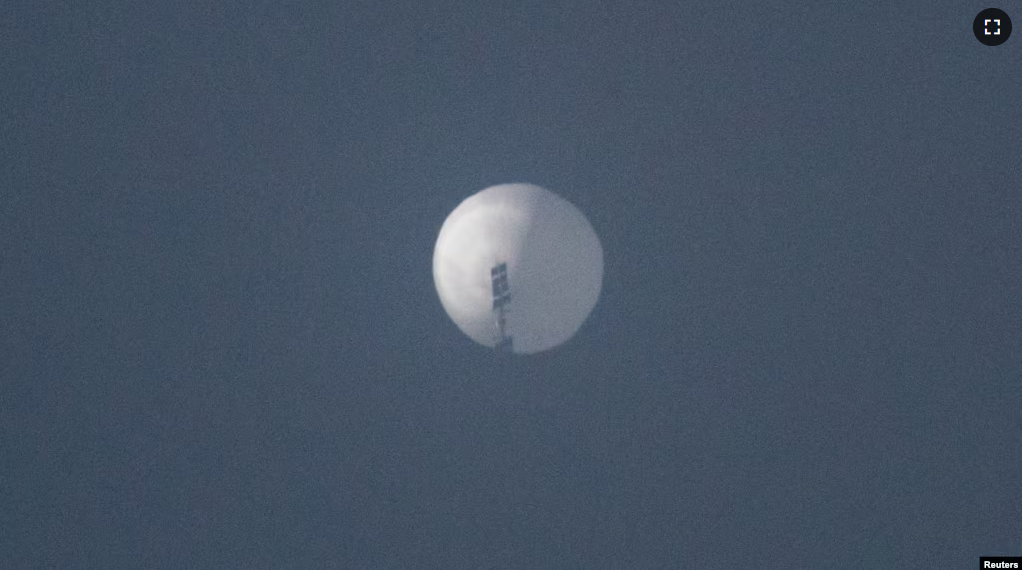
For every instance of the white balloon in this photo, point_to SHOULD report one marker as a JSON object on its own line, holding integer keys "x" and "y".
{"x": 555, "y": 266}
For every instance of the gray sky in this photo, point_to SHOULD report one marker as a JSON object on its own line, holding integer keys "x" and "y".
{"x": 220, "y": 346}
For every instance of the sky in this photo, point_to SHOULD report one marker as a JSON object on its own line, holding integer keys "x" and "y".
{"x": 221, "y": 347}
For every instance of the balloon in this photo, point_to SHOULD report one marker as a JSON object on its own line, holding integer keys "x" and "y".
{"x": 551, "y": 275}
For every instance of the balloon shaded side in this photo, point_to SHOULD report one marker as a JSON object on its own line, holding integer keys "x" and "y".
{"x": 553, "y": 258}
